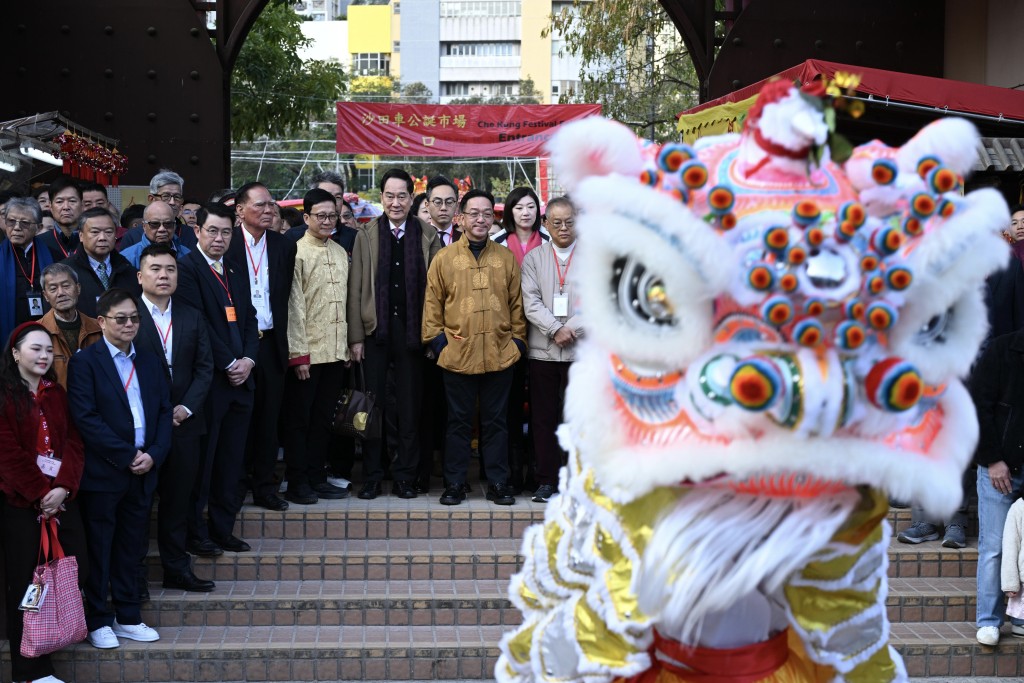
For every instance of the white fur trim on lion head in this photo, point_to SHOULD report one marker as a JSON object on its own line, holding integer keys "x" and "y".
{"x": 594, "y": 146}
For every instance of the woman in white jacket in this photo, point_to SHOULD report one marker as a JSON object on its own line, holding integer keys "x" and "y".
{"x": 1013, "y": 562}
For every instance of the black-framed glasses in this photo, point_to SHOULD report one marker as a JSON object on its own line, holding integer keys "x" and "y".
{"x": 214, "y": 232}
{"x": 169, "y": 198}
{"x": 122, "y": 320}
{"x": 170, "y": 225}
{"x": 325, "y": 217}
{"x": 438, "y": 202}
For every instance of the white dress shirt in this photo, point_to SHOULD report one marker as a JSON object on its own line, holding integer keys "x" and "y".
{"x": 125, "y": 365}
{"x": 256, "y": 264}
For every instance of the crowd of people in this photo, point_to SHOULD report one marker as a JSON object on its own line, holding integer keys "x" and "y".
{"x": 172, "y": 351}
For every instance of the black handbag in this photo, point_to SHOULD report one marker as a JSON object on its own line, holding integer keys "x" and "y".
{"x": 357, "y": 413}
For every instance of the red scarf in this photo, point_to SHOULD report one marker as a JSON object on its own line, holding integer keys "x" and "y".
{"x": 518, "y": 250}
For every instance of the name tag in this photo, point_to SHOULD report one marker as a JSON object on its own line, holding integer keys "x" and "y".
{"x": 48, "y": 465}
{"x": 229, "y": 311}
{"x": 35, "y": 304}
{"x": 560, "y": 305}
{"x": 257, "y": 297}
{"x": 136, "y": 419}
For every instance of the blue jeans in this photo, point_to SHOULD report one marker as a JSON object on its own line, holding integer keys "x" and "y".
{"x": 992, "y": 510}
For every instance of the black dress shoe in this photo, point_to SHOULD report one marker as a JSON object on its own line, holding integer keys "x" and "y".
{"x": 188, "y": 582}
{"x": 453, "y": 494}
{"x": 234, "y": 544}
{"x": 501, "y": 494}
{"x": 330, "y": 491}
{"x": 301, "y": 494}
{"x": 422, "y": 485}
{"x": 204, "y": 548}
{"x": 271, "y": 501}
{"x": 404, "y": 489}
{"x": 370, "y": 490}
{"x": 144, "y": 593}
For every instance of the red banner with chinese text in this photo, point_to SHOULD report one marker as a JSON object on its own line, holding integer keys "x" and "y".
{"x": 464, "y": 130}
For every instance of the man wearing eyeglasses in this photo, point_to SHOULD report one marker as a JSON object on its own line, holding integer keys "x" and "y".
{"x": 268, "y": 258}
{"x": 98, "y": 266}
{"x": 121, "y": 404}
{"x": 158, "y": 226}
{"x": 167, "y": 187}
{"x": 386, "y": 283}
{"x": 22, "y": 259}
{"x": 219, "y": 289}
{"x": 442, "y": 204}
{"x": 474, "y": 323}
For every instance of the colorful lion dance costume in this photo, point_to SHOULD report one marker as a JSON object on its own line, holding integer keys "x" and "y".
{"x": 773, "y": 348}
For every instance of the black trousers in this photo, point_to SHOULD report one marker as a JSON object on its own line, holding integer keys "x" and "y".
{"x": 408, "y": 376}
{"x": 433, "y": 418}
{"x": 548, "y": 380}
{"x": 308, "y": 412}
{"x": 227, "y": 414}
{"x": 114, "y": 523}
{"x": 264, "y": 439}
{"x": 21, "y": 544}
{"x": 177, "y": 479}
{"x": 491, "y": 389}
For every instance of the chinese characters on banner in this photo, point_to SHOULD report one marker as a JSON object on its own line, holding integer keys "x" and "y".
{"x": 423, "y": 130}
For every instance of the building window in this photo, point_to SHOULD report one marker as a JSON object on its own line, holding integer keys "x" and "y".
{"x": 503, "y": 49}
{"x": 397, "y": 7}
{"x": 481, "y": 8}
{"x": 396, "y": 47}
{"x": 371, "y": 64}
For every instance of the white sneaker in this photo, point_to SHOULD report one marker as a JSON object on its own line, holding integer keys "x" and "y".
{"x": 103, "y": 638}
{"x": 988, "y": 635}
{"x": 1017, "y": 630}
{"x": 48, "y": 679}
{"x": 340, "y": 482}
{"x": 139, "y": 632}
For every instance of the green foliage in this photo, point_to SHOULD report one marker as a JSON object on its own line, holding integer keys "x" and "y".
{"x": 634, "y": 62}
{"x": 275, "y": 92}
{"x": 416, "y": 93}
{"x": 371, "y": 88}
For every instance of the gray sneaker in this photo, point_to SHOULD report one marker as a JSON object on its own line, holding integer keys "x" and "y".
{"x": 919, "y": 532}
{"x": 955, "y": 537}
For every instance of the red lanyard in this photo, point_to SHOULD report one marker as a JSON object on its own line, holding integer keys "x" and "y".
{"x": 255, "y": 266}
{"x": 164, "y": 335}
{"x": 31, "y": 279}
{"x": 558, "y": 269}
{"x": 56, "y": 238}
{"x": 130, "y": 376}
{"x": 223, "y": 283}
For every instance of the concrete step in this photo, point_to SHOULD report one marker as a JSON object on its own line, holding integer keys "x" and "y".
{"x": 931, "y": 560}
{"x": 333, "y": 603}
{"x": 950, "y": 649}
{"x": 286, "y": 653}
{"x": 931, "y": 600}
{"x": 400, "y": 559}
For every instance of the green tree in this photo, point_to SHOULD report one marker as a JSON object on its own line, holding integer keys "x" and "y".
{"x": 528, "y": 94}
{"x": 274, "y": 91}
{"x": 416, "y": 93}
{"x": 371, "y": 88}
{"x": 634, "y": 63}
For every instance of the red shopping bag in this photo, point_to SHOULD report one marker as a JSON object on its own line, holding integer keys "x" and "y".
{"x": 58, "y": 619}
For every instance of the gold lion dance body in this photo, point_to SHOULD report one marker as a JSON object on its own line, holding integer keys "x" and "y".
{"x": 772, "y": 352}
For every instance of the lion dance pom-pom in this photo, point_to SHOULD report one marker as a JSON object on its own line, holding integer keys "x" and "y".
{"x": 774, "y": 347}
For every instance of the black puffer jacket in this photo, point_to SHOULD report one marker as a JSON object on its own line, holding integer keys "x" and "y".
{"x": 997, "y": 386}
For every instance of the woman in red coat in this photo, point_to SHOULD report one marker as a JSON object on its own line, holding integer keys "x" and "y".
{"x": 40, "y": 467}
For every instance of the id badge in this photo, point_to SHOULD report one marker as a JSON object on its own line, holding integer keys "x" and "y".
{"x": 35, "y": 304}
{"x": 560, "y": 305}
{"x": 257, "y": 297}
{"x": 48, "y": 465}
{"x": 35, "y": 594}
{"x": 136, "y": 419}
{"x": 229, "y": 311}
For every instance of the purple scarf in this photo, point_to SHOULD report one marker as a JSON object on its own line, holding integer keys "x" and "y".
{"x": 415, "y": 281}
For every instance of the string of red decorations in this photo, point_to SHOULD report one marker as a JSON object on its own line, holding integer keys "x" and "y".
{"x": 89, "y": 160}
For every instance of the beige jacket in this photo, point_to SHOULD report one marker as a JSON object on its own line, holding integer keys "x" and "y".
{"x": 478, "y": 305}
{"x": 540, "y": 284}
{"x": 88, "y": 334}
{"x": 1012, "y": 569}
{"x": 362, "y": 276}
{"x": 317, "y": 332}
